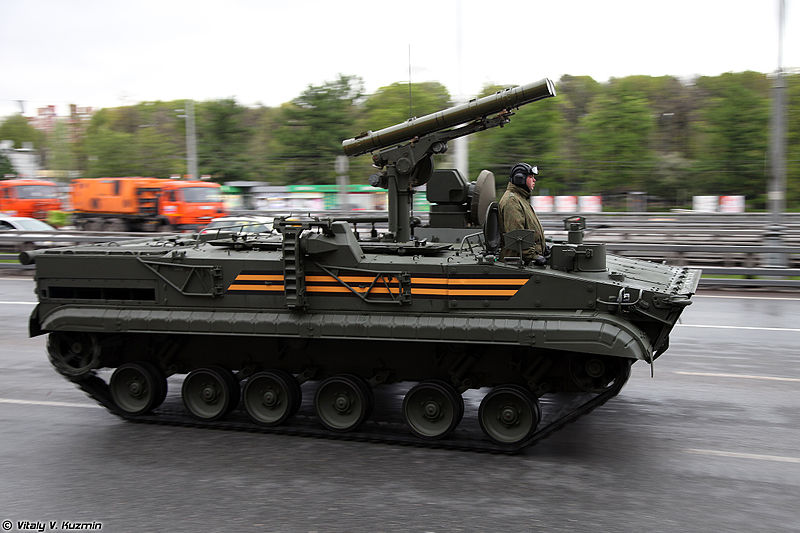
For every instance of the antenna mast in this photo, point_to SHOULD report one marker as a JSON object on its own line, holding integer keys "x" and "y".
{"x": 410, "y": 108}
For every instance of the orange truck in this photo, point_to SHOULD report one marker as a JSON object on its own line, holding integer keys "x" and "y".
{"x": 28, "y": 198}
{"x": 144, "y": 204}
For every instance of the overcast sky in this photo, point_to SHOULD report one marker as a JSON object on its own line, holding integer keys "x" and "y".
{"x": 109, "y": 52}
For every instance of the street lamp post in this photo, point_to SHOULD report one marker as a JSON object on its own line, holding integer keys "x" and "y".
{"x": 777, "y": 185}
{"x": 191, "y": 141}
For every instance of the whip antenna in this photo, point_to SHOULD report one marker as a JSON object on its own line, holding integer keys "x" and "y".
{"x": 410, "y": 108}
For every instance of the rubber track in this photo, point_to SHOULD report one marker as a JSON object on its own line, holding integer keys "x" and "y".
{"x": 386, "y": 432}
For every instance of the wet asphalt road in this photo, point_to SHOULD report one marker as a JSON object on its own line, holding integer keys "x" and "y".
{"x": 710, "y": 444}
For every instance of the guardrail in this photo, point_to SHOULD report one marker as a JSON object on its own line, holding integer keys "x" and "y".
{"x": 746, "y": 265}
{"x": 4, "y": 265}
{"x": 607, "y": 217}
{"x": 658, "y": 228}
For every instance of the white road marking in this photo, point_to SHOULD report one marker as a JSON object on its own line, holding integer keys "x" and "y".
{"x": 740, "y": 376}
{"x": 745, "y": 297}
{"x": 19, "y": 303}
{"x": 737, "y": 455}
{"x": 706, "y": 356}
{"x": 752, "y": 328}
{"x": 50, "y": 404}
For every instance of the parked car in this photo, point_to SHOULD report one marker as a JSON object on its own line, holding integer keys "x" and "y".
{"x": 242, "y": 224}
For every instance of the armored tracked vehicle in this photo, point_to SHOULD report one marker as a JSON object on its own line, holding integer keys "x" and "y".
{"x": 300, "y": 330}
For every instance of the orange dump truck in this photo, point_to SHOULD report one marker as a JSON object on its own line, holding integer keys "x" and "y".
{"x": 144, "y": 204}
{"x": 28, "y": 198}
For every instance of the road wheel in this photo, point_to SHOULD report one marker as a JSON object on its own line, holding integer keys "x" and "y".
{"x": 210, "y": 393}
{"x": 432, "y": 409}
{"x": 137, "y": 388}
{"x": 271, "y": 397}
{"x": 343, "y": 402}
{"x": 73, "y": 354}
{"x": 509, "y": 414}
{"x": 594, "y": 373}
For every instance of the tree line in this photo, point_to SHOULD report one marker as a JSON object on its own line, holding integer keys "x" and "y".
{"x": 660, "y": 135}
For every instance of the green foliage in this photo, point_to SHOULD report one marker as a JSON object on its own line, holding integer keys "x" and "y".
{"x": 262, "y": 145}
{"x": 221, "y": 139}
{"x": 533, "y": 137}
{"x": 156, "y": 155}
{"x": 672, "y": 105}
{"x": 57, "y": 218}
{"x": 615, "y": 137}
{"x": 61, "y": 152}
{"x": 142, "y": 140}
{"x": 661, "y": 135}
{"x": 393, "y": 104}
{"x": 671, "y": 175}
{"x": 390, "y": 105}
{"x": 730, "y": 148}
{"x": 5, "y": 166}
{"x": 793, "y": 141}
{"x": 111, "y": 153}
{"x": 312, "y": 128}
{"x": 16, "y": 128}
{"x": 575, "y": 94}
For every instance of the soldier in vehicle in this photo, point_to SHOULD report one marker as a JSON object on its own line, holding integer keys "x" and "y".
{"x": 516, "y": 211}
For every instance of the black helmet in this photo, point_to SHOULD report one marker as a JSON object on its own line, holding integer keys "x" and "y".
{"x": 520, "y": 172}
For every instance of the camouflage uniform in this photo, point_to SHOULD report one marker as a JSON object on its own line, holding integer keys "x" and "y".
{"x": 516, "y": 212}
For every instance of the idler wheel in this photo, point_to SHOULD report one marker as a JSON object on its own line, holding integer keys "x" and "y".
{"x": 138, "y": 388}
{"x": 597, "y": 374}
{"x": 73, "y": 354}
{"x": 509, "y": 414}
{"x": 343, "y": 402}
{"x": 210, "y": 393}
{"x": 432, "y": 409}
{"x": 271, "y": 397}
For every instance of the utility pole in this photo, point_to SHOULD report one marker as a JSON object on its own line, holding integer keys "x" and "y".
{"x": 777, "y": 186}
{"x": 191, "y": 141}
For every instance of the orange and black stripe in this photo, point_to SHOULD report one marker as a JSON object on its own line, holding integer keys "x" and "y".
{"x": 475, "y": 286}
{"x": 466, "y": 286}
{"x": 359, "y": 283}
{"x": 256, "y": 282}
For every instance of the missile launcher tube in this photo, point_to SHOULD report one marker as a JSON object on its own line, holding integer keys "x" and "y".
{"x": 475, "y": 109}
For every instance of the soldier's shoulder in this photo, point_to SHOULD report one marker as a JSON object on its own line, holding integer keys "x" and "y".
{"x": 508, "y": 196}
{"x": 512, "y": 198}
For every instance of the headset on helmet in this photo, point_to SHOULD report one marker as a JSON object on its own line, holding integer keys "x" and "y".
{"x": 520, "y": 172}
